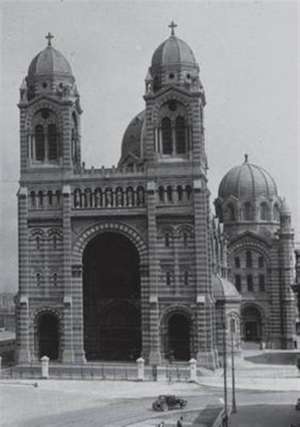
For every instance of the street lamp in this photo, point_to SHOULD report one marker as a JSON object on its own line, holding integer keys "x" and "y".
{"x": 225, "y": 419}
{"x": 232, "y": 330}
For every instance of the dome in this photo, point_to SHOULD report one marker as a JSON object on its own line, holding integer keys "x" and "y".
{"x": 173, "y": 51}
{"x": 49, "y": 62}
{"x": 131, "y": 142}
{"x": 223, "y": 289}
{"x": 247, "y": 181}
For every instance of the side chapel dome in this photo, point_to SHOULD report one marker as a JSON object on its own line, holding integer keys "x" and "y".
{"x": 247, "y": 181}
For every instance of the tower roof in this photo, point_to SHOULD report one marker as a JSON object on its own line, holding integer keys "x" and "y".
{"x": 173, "y": 51}
{"x": 247, "y": 181}
{"x": 47, "y": 62}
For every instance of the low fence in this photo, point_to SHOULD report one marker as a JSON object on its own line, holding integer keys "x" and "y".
{"x": 104, "y": 371}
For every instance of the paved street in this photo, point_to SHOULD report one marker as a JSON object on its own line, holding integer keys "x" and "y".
{"x": 117, "y": 404}
{"x": 266, "y": 416}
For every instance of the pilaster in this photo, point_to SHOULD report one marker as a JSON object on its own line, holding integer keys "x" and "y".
{"x": 154, "y": 356}
{"x": 23, "y": 324}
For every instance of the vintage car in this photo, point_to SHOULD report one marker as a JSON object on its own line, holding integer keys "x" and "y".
{"x": 164, "y": 402}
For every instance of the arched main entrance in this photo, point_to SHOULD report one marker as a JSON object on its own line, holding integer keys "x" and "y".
{"x": 111, "y": 298}
{"x": 48, "y": 335}
{"x": 179, "y": 336}
{"x": 252, "y": 323}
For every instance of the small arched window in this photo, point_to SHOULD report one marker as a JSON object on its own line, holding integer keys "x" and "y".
{"x": 180, "y": 132}
{"x": 186, "y": 277}
{"x": 169, "y": 193}
{"x": 185, "y": 239}
{"x": 41, "y": 199}
{"x": 33, "y": 200}
{"x": 38, "y": 243}
{"x": 238, "y": 282}
{"x": 55, "y": 279}
{"x": 167, "y": 240}
{"x": 50, "y": 198}
{"x": 250, "y": 283}
{"x": 39, "y": 143}
{"x": 179, "y": 192}
{"x": 276, "y": 213}
{"x": 264, "y": 212}
{"x": 38, "y": 279}
{"x": 248, "y": 211}
{"x": 52, "y": 142}
{"x": 161, "y": 194}
{"x": 249, "y": 259}
{"x": 54, "y": 241}
{"x": 166, "y": 132}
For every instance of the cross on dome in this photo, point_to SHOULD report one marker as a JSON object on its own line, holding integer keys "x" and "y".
{"x": 246, "y": 157}
{"x": 173, "y": 26}
{"x": 49, "y": 36}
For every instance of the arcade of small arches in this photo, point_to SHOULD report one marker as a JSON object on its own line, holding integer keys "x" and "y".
{"x": 266, "y": 211}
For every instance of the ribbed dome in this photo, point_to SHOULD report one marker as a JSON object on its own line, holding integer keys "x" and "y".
{"x": 247, "y": 181}
{"x": 131, "y": 142}
{"x": 49, "y": 62}
{"x": 173, "y": 51}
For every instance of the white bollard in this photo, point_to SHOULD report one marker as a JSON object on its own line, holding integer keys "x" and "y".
{"x": 141, "y": 368}
{"x": 193, "y": 370}
{"x": 45, "y": 367}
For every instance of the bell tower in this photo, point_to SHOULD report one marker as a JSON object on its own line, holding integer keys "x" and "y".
{"x": 49, "y": 115}
{"x": 175, "y": 101}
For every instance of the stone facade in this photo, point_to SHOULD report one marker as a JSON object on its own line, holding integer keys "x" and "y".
{"x": 120, "y": 262}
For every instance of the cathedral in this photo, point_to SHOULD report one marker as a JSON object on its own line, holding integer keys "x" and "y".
{"x": 117, "y": 263}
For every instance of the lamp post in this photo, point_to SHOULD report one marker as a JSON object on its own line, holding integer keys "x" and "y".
{"x": 225, "y": 419}
{"x": 233, "y": 410}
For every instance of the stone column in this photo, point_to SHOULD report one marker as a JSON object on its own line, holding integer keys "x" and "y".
{"x": 23, "y": 325}
{"x": 67, "y": 355}
{"x": 154, "y": 356}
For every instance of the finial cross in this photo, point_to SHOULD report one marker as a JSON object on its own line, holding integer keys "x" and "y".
{"x": 49, "y": 36}
{"x": 246, "y": 157}
{"x": 173, "y": 26}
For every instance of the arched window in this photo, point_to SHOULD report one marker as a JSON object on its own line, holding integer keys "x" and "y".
{"x": 250, "y": 283}
{"x": 180, "y": 132}
{"x": 57, "y": 194}
{"x": 185, "y": 239}
{"x": 38, "y": 243}
{"x": 41, "y": 199}
{"x": 39, "y": 143}
{"x": 38, "y": 279}
{"x": 188, "y": 191}
{"x": 261, "y": 281}
{"x": 52, "y": 142}
{"x": 248, "y": 211}
{"x": 264, "y": 212}
{"x": 248, "y": 259}
{"x": 50, "y": 198}
{"x": 55, "y": 279}
{"x": 186, "y": 278}
{"x": 229, "y": 212}
{"x": 168, "y": 278}
{"x": 166, "y": 132}
{"x": 167, "y": 240}
{"x": 276, "y": 213}
{"x": 161, "y": 194}
{"x": 32, "y": 198}
{"x": 237, "y": 262}
{"x": 169, "y": 193}
{"x": 179, "y": 192}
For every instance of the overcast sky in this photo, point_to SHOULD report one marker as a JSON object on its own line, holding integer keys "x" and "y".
{"x": 247, "y": 52}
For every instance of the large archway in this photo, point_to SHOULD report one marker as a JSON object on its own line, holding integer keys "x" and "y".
{"x": 179, "y": 334}
{"x": 252, "y": 324}
{"x": 48, "y": 335}
{"x": 111, "y": 298}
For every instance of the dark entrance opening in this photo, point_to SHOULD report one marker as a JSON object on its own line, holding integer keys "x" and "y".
{"x": 179, "y": 336}
{"x": 48, "y": 336}
{"x": 252, "y": 330}
{"x": 111, "y": 299}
